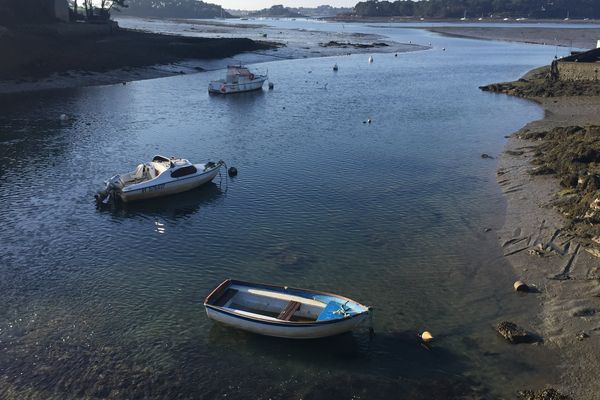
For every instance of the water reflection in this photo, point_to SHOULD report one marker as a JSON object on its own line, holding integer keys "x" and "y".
{"x": 175, "y": 207}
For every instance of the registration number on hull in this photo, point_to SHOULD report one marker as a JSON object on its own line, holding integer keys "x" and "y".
{"x": 151, "y": 189}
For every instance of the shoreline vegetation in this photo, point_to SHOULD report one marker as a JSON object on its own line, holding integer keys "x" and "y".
{"x": 464, "y": 9}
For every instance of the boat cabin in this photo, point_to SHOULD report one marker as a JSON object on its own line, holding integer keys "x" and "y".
{"x": 178, "y": 166}
{"x": 235, "y": 72}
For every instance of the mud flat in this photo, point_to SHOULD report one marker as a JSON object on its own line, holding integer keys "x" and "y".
{"x": 584, "y": 38}
{"x": 548, "y": 174}
{"x": 152, "y": 48}
{"x": 58, "y": 56}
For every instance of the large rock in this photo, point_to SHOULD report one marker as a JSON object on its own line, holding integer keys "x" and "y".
{"x": 514, "y": 333}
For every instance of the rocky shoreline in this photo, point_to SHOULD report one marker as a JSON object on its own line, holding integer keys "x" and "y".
{"x": 548, "y": 174}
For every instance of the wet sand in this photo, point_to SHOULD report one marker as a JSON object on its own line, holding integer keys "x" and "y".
{"x": 545, "y": 254}
{"x": 584, "y": 38}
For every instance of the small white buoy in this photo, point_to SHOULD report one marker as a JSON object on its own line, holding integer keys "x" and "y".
{"x": 64, "y": 117}
{"x": 426, "y": 337}
{"x": 370, "y": 59}
{"x": 520, "y": 287}
{"x": 369, "y": 121}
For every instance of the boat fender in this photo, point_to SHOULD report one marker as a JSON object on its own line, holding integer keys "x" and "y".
{"x": 232, "y": 171}
{"x": 426, "y": 337}
{"x": 520, "y": 287}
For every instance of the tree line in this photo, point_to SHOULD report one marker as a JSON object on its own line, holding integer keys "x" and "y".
{"x": 174, "y": 9}
{"x": 542, "y": 9}
{"x": 42, "y": 11}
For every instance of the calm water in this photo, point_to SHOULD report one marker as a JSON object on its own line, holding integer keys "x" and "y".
{"x": 102, "y": 304}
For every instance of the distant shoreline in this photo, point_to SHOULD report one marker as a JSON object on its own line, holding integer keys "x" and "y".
{"x": 38, "y": 55}
{"x": 348, "y": 18}
{"x": 142, "y": 51}
{"x": 585, "y": 38}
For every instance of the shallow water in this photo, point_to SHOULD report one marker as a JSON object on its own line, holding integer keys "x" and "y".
{"x": 391, "y": 214}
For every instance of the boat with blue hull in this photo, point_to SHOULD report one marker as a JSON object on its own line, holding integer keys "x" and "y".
{"x": 283, "y": 311}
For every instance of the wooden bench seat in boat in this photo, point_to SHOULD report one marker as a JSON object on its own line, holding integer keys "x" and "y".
{"x": 289, "y": 310}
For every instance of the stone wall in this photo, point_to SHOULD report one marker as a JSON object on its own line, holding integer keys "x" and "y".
{"x": 578, "y": 71}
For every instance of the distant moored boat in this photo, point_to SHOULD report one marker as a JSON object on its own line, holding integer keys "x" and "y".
{"x": 238, "y": 79}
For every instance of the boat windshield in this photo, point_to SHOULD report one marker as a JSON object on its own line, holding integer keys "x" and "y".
{"x": 184, "y": 171}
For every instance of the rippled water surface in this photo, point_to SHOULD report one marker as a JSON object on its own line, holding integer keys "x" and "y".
{"x": 104, "y": 304}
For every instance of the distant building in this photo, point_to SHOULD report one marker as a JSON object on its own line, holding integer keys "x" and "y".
{"x": 583, "y": 66}
{"x": 15, "y": 12}
{"x": 61, "y": 10}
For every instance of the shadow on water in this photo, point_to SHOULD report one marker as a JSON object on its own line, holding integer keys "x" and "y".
{"x": 356, "y": 364}
{"x": 173, "y": 207}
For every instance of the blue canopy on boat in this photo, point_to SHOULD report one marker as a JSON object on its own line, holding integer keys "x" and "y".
{"x": 333, "y": 310}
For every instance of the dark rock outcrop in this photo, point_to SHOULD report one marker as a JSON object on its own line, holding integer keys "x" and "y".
{"x": 515, "y": 334}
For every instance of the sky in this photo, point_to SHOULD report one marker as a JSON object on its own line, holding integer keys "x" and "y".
{"x": 259, "y": 4}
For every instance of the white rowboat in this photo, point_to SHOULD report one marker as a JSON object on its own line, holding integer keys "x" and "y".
{"x": 282, "y": 311}
{"x": 161, "y": 177}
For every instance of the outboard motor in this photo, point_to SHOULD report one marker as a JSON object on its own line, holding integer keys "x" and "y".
{"x": 109, "y": 193}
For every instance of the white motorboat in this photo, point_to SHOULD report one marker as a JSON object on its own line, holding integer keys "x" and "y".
{"x": 161, "y": 177}
{"x": 283, "y": 311}
{"x": 238, "y": 79}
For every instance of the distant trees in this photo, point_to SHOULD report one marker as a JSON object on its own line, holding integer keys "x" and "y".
{"x": 95, "y": 10}
{"x": 277, "y": 11}
{"x": 543, "y": 9}
{"x": 174, "y": 9}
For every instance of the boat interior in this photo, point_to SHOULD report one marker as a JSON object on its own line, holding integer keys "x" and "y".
{"x": 158, "y": 165}
{"x": 281, "y": 304}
